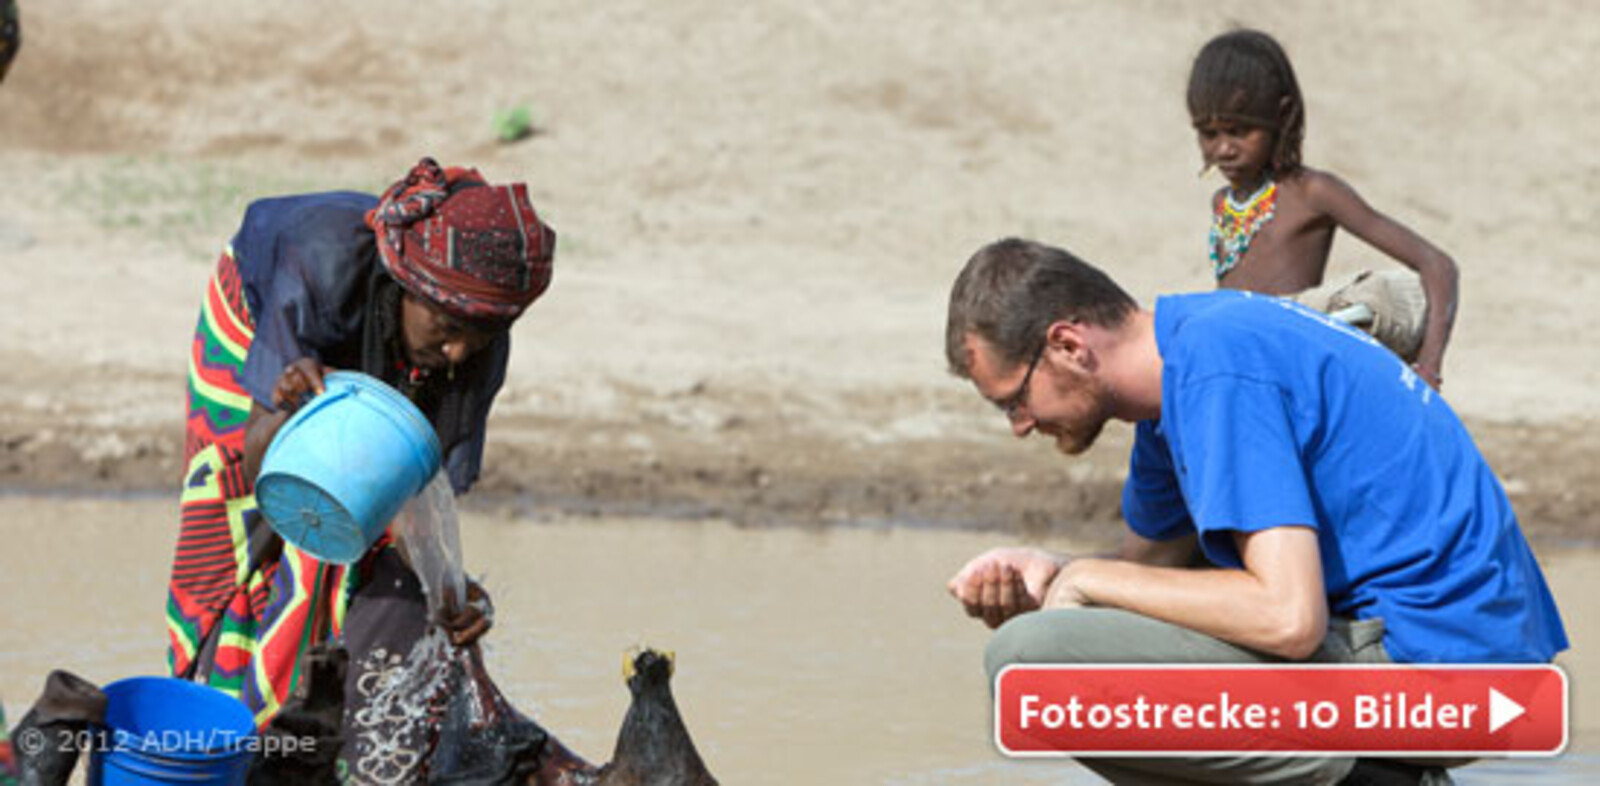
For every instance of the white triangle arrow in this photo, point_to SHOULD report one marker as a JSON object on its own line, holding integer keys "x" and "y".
{"x": 1502, "y": 710}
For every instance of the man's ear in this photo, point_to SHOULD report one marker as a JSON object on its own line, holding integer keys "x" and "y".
{"x": 1071, "y": 336}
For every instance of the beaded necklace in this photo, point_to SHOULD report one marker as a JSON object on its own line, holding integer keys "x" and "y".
{"x": 1234, "y": 224}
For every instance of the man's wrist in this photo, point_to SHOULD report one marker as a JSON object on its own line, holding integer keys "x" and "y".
{"x": 1066, "y": 589}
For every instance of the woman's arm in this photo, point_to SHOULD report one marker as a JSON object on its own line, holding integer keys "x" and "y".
{"x": 299, "y": 381}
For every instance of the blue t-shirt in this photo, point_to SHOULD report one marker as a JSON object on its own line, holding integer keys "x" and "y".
{"x": 1273, "y": 414}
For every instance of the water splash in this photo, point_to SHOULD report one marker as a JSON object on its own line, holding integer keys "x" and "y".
{"x": 430, "y": 536}
{"x": 434, "y": 713}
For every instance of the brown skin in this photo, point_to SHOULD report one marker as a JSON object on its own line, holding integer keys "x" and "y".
{"x": 431, "y": 339}
{"x": 435, "y": 339}
{"x": 1290, "y": 253}
{"x": 466, "y": 623}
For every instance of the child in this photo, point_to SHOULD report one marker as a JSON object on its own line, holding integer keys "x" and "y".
{"x": 1273, "y": 224}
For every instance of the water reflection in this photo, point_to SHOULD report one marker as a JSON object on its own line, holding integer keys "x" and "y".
{"x": 804, "y": 656}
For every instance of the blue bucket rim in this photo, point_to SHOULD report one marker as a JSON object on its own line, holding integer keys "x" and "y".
{"x": 239, "y": 739}
{"x": 234, "y": 767}
{"x": 398, "y": 404}
{"x": 336, "y": 383}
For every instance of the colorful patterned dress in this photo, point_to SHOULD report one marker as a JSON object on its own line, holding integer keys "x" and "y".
{"x": 8, "y": 757}
{"x": 299, "y": 279}
{"x": 253, "y": 613}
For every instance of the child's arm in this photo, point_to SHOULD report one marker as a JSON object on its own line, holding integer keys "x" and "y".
{"x": 1334, "y": 198}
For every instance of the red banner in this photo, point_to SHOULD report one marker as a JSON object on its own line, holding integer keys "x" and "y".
{"x": 1281, "y": 710}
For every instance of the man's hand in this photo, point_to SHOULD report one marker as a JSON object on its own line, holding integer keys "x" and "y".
{"x": 1064, "y": 592}
{"x": 467, "y": 623}
{"x": 300, "y": 380}
{"x": 1004, "y": 582}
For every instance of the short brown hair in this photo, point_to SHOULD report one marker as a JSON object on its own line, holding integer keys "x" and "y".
{"x": 1012, "y": 289}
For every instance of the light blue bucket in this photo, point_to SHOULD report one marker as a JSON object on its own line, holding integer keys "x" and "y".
{"x": 161, "y": 730}
{"x": 341, "y": 468}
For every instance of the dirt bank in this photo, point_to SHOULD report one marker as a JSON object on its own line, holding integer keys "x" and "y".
{"x": 761, "y": 208}
{"x": 756, "y": 474}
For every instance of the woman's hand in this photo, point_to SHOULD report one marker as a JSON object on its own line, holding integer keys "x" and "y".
{"x": 299, "y": 381}
{"x": 467, "y": 623}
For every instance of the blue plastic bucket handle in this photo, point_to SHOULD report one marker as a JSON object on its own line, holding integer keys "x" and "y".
{"x": 317, "y": 403}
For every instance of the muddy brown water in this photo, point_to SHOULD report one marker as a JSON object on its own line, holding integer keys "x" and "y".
{"x": 804, "y": 656}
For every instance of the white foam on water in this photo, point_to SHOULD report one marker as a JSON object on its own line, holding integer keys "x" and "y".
{"x": 391, "y": 732}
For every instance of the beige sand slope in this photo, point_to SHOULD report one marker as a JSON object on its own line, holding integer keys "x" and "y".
{"x": 761, "y": 206}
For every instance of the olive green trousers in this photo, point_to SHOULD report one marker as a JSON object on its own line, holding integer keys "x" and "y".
{"x": 1112, "y": 636}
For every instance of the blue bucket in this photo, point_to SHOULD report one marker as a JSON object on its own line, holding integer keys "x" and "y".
{"x": 341, "y": 468}
{"x": 161, "y": 730}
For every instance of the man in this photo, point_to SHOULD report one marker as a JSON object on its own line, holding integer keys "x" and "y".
{"x": 1344, "y": 510}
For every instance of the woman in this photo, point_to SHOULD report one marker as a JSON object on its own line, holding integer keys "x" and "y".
{"x": 417, "y": 287}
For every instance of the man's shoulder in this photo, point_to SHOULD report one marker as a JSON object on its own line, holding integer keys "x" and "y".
{"x": 1202, "y": 315}
{"x": 1228, "y": 332}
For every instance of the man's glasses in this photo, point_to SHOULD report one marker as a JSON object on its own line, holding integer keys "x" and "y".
{"x": 1012, "y": 404}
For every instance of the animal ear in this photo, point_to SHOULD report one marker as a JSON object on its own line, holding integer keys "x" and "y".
{"x": 630, "y": 660}
{"x": 68, "y": 697}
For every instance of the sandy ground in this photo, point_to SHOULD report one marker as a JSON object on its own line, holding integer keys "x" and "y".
{"x": 761, "y": 207}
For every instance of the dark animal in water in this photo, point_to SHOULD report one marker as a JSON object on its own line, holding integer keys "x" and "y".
{"x": 46, "y": 739}
{"x": 482, "y": 740}
{"x": 653, "y": 745}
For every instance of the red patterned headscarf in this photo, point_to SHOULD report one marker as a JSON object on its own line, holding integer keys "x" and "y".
{"x": 476, "y": 250}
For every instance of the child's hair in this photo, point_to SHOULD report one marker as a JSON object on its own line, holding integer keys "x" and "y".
{"x": 1245, "y": 77}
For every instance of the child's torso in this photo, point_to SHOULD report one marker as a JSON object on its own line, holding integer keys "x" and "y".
{"x": 1288, "y": 252}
